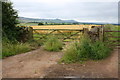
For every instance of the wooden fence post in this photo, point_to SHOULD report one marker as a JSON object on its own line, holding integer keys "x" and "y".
{"x": 30, "y": 33}
{"x": 102, "y": 33}
{"x": 85, "y": 31}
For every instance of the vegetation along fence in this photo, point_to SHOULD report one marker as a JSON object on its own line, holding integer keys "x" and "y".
{"x": 65, "y": 33}
{"x": 95, "y": 33}
{"x": 112, "y": 37}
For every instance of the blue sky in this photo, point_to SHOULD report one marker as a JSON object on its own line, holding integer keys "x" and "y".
{"x": 79, "y": 10}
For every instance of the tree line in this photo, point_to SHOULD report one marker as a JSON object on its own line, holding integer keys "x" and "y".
{"x": 52, "y": 23}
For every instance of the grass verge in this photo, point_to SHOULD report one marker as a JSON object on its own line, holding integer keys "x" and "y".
{"x": 13, "y": 48}
{"x": 10, "y": 49}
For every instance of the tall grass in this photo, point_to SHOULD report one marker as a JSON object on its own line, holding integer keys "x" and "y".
{"x": 100, "y": 50}
{"x": 113, "y": 28}
{"x": 70, "y": 54}
{"x": 111, "y": 40}
{"x": 53, "y": 43}
{"x": 9, "y": 49}
{"x": 84, "y": 50}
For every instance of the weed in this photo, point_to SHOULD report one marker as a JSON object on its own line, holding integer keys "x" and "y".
{"x": 85, "y": 49}
{"x": 9, "y": 49}
{"x": 53, "y": 43}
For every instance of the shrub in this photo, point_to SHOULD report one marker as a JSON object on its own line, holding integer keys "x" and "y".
{"x": 53, "y": 44}
{"x": 9, "y": 21}
{"x": 40, "y": 23}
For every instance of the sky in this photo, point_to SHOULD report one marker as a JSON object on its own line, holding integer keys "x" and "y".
{"x": 80, "y": 10}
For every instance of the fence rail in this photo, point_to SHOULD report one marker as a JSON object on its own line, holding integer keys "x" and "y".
{"x": 116, "y": 41}
{"x": 114, "y": 36}
{"x": 62, "y": 34}
{"x": 111, "y": 31}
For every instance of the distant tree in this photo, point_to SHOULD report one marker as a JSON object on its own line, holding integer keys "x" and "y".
{"x": 63, "y": 23}
{"x": 75, "y": 23}
{"x": 9, "y": 21}
{"x": 46, "y": 23}
{"x": 40, "y": 23}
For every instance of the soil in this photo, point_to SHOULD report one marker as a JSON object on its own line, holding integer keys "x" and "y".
{"x": 29, "y": 65}
{"x": 107, "y": 68}
{"x": 40, "y": 63}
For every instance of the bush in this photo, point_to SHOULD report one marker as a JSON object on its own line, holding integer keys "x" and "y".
{"x": 10, "y": 49}
{"x": 53, "y": 44}
{"x": 40, "y": 23}
{"x": 9, "y": 21}
{"x": 84, "y": 50}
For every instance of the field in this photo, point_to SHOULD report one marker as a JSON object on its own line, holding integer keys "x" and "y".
{"x": 74, "y": 27}
{"x": 42, "y": 44}
{"x": 64, "y": 28}
{"x": 27, "y": 24}
{"x": 62, "y": 31}
{"x": 44, "y": 63}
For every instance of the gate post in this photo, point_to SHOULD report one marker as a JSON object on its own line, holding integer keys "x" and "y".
{"x": 30, "y": 33}
{"x": 102, "y": 33}
{"x": 85, "y": 31}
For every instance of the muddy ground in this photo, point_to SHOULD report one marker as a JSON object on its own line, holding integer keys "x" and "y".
{"x": 40, "y": 63}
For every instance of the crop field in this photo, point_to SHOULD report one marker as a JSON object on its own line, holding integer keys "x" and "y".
{"x": 70, "y": 32}
{"x": 64, "y": 28}
{"x": 73, "y": 27}
{"x": 66, "y": 32}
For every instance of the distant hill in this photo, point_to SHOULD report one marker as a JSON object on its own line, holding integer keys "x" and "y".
{"x": 26, "y": 20}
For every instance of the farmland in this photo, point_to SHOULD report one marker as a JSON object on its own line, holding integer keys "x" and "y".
{"x": 47, "y": 63}
{"x": 51, "y": 45}
{"x": 62, "y": 26}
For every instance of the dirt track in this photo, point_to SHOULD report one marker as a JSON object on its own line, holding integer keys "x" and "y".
{"x": 40, "y": 63}
{"x": 107, "y": 68}
{"x": 29, "y": 65}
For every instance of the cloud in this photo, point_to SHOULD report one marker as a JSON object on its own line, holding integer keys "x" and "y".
{"x": 81, "y": 10}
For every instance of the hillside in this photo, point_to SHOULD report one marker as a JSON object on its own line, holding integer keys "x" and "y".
{"x": 26, "y": 20}
{"x": 29, "y": 20}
